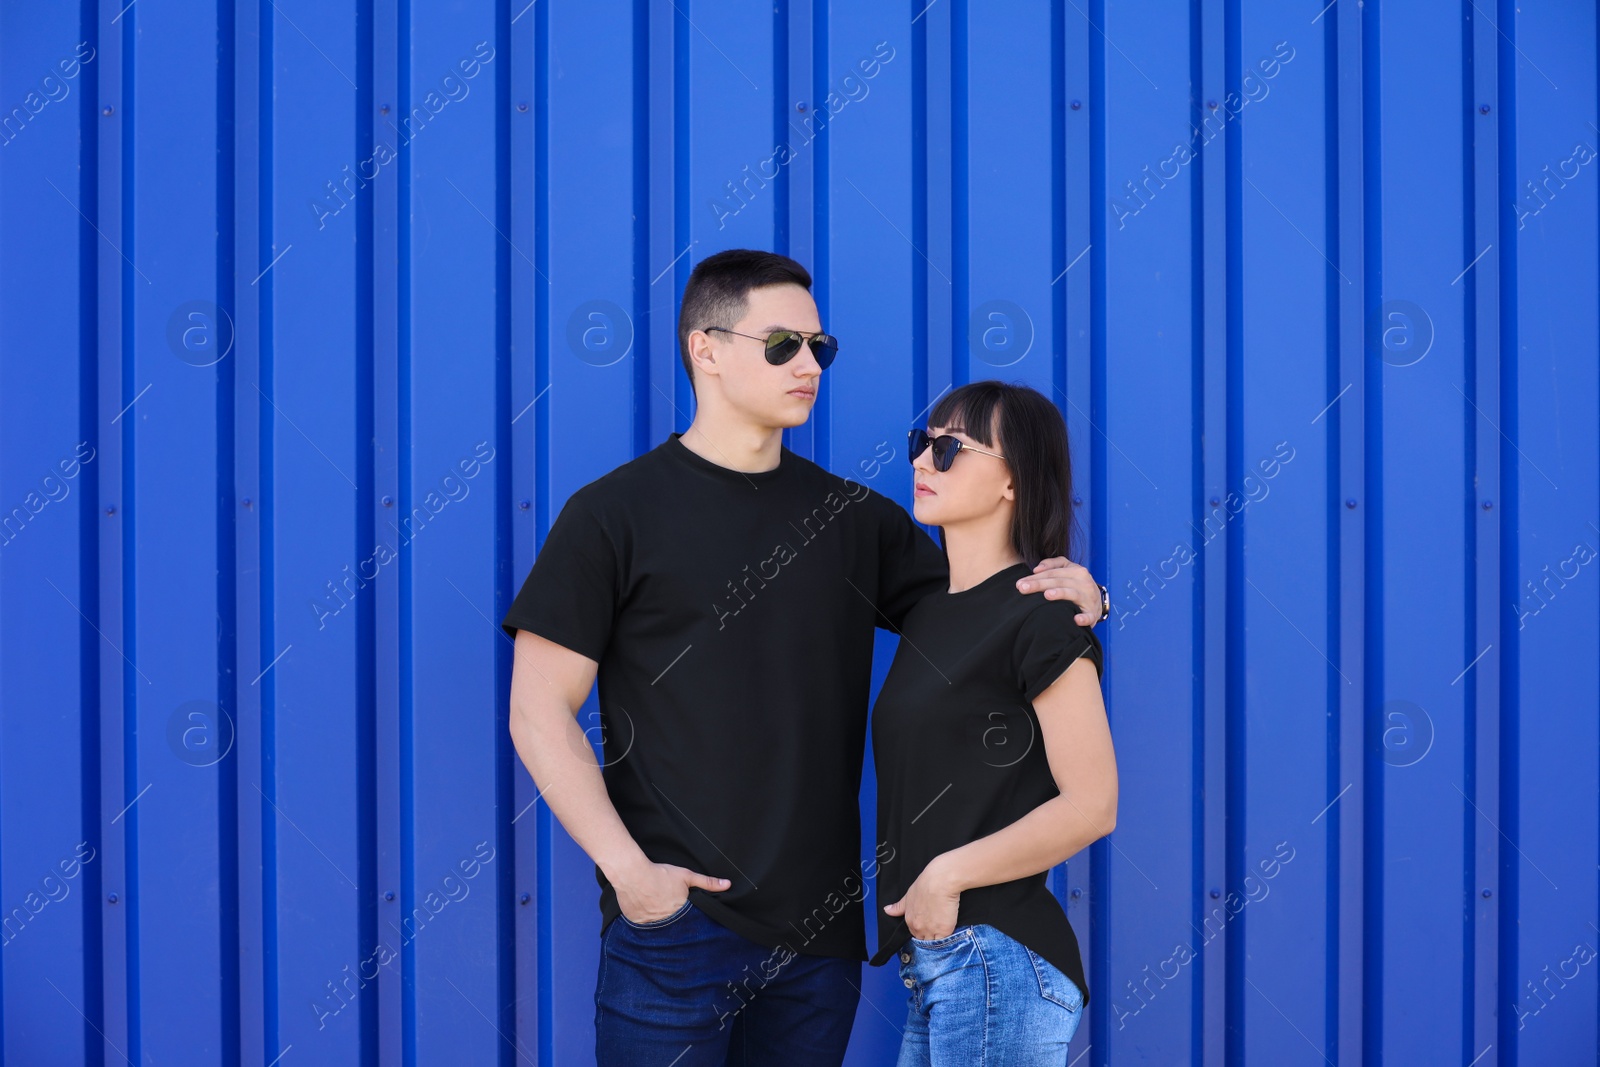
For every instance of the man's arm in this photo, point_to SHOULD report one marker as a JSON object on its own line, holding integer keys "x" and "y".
{"x": 549, "y": 684}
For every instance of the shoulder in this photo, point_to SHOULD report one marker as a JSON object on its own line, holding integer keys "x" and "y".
{"x": 862, "y": 498}
{"x": 620, "y": 490}
{"x": 1048, "y": 631}
{"x": 1045, "y": 625}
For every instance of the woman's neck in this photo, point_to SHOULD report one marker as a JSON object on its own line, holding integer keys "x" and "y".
{"x": 976, "y": 555}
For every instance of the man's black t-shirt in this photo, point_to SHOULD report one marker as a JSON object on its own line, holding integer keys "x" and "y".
{"x": 732, "y": 614}
{"x": 958, "y": 752}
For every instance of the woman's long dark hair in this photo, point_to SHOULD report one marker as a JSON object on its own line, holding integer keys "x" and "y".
{"x": 1033, "y": 438}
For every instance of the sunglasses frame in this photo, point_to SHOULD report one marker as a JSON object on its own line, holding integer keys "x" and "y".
{"x": 825, "y": 352}
{"x": 948, "y": 451}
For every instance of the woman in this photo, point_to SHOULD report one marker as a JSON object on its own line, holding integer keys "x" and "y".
{"x": 992, "y": 748}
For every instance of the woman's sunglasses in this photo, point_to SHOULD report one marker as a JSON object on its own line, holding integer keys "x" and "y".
{"x": 945, "y": 447}
{"x": 783, "y": 344}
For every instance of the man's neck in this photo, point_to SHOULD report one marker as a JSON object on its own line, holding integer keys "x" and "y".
{"x": 737, "y": 446}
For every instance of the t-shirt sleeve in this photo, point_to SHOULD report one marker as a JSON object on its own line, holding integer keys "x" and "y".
{"x": 1049, "y": 642}
{"x": 910, "y": 564}
{"x": 570, "y": 594}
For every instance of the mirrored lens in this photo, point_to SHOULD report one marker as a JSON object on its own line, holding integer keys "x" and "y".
{"x": 781, "y": 346}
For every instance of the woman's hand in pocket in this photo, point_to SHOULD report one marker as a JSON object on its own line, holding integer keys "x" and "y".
{"x": 931, "y": 905}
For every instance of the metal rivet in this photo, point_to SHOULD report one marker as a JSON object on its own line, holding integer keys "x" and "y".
{"x": 1076, "y": 104}
{"x": 1483, "y": 109}
{"x": 389, "y": 895}
{"x": 384, "y": 110}
{"x": 1212, "y": 104}
{"x": 1487, "y": 504}
{"x": 1350, "y": 503}
{"x": 111, "y": 898}
{"x": 1215, "y": 893}
{"x": 388, "y": 501}
{"x": 522, "y": 106}
{"x": 801, "y": 106}
{"x": 1487, "y": 893}
{"x": 106, "y": 111}
{"x": 245, "y": 501}
{"x": 1215, "y": 501}
{"x": 112, "y": 510}
{"x": 1077, "y": 894}
{"x": 525, "y": 898}
{"x": 523, "y": 504}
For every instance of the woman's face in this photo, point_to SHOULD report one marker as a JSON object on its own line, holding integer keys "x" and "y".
{"x": 974, "y": 487}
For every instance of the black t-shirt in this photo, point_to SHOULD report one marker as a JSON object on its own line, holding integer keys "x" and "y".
{"x": 732, "y": 617}
{"x": 959, "y": 755}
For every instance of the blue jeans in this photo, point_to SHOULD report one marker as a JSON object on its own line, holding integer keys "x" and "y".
{"x": 981, "y": 997}
{"x": 687, "y": 991}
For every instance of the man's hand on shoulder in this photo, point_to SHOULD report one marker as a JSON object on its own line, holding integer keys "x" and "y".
{"x": 1061, "y": 579}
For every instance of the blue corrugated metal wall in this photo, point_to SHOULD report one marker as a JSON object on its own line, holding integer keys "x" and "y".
{"x": 285, "y": 286}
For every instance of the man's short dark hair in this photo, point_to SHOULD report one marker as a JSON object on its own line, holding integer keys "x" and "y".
{"x": 718, "y": 290}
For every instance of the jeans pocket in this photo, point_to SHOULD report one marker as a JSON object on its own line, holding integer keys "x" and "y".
{"x": 656, "y": 924}
{"x": 1053, "y": 985}
{"x": 959, "y": 934}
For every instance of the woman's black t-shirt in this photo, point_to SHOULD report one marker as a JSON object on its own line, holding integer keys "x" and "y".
{"x": 959, "y": 755}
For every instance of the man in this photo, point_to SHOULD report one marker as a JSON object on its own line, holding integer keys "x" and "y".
{"x": 724, "y": 591}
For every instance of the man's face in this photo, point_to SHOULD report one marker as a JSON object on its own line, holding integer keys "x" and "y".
{"x": 779, "y": 396}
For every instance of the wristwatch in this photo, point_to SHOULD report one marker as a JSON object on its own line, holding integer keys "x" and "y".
{"x": 1105, "y": 605}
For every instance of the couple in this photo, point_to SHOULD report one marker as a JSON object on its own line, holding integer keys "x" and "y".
{"x": 725, "y": 591}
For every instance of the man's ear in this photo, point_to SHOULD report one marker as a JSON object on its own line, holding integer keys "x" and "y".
{"x": 702, "y": 353}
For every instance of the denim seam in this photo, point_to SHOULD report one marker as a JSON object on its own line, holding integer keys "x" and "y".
{"x": 1045, "y": 987}
{"x": 988, "y": 1000}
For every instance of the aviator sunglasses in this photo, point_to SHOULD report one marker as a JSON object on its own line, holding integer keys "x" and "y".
{"x": 945, "y": 447}
{"x": 783, "y": 344}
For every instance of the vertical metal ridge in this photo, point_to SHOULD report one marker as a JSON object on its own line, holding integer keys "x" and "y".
{"x": 227, "y": 578}
{"x": 545, "y": 824}
{"x": 1372, "y": 532}
{"x": 506, "y": 765}
{"x": 404, "y": 680}
{"x": 822, "y": 238}
{"x": 1236, "y": 744}
{"x": 1099, "y": 968}
{"x": 1509, "y": 815}
{"x": 366, "y": 665}
{"x": 266, "y": 499}
{"x": 130, "y": 642}
{"x": 960, "y": 194}
{"x": 92, "y": 758}
{"x": 1333, "y": 223}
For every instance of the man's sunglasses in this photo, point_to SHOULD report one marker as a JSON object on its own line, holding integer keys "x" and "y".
{"x": 945, "y": 447}
{"x": 783, "y": 344}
